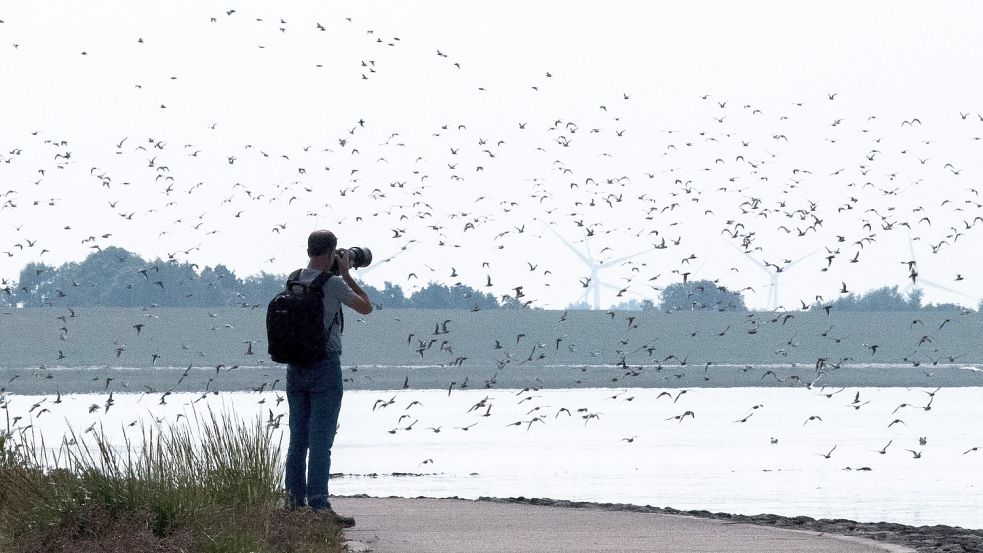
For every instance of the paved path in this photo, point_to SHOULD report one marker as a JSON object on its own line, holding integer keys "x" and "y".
{"x": 385, "y": 525}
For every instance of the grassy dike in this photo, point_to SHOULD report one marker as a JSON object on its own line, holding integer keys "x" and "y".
{"x": 214, "y": 484}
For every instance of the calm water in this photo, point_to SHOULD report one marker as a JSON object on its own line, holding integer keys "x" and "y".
{"x": 724, "y": 361}
{"x": 707, "y": 461}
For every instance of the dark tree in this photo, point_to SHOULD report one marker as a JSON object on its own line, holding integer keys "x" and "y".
{"x": 439, "y": 296}
{"x": 881, "y": 299}
{"x": 390, "y": 297}
{"x": 700, "y": 295}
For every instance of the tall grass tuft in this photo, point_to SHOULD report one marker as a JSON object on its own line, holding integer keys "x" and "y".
{"x": 213, "y": 483}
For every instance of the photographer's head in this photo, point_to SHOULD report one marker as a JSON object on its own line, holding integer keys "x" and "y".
{"x": 321, "y": 243}
{"x": 321, "y": 247}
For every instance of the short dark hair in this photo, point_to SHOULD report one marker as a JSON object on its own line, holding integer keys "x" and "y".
{"x": 321, "y": 242}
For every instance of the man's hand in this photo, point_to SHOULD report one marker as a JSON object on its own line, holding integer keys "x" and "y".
{"x": 344, "y": 264}
{"x": 361, "y": 301}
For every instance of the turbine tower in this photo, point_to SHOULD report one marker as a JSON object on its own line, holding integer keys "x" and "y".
{"x": 919, "y": 280}
{"x": 595, "y": 284}
{"x": 773, "y": 275}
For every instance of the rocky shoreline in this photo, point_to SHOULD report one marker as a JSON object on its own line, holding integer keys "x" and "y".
{"x": 924, "y": 539}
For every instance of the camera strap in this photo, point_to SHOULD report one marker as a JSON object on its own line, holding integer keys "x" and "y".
{"x": 339, "y": 317}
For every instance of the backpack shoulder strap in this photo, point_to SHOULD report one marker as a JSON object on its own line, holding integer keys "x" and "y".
{"x": 338, "y": 319}
{"x": 339, "y": 316}
{"x": 320, "y": 280}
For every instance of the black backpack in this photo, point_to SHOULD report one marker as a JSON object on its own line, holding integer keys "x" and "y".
{"x": 295, "y": 322}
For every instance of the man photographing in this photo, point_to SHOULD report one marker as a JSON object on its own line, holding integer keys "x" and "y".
{"x": 314, "y": 383}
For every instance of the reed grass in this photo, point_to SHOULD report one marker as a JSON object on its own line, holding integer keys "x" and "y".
{"x": 213, "y": 483}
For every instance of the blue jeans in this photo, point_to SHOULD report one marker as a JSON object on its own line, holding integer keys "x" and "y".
{"x": 314, "y": 397}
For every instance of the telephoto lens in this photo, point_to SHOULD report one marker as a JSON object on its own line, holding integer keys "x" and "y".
{"x": 357, "y": 258}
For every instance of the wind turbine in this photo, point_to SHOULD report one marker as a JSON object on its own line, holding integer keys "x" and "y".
{"x": 918, "y": 280}
{"x": 595, "y": 284}
{"x": 772, "y": 275}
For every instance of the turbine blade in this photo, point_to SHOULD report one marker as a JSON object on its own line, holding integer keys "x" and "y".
{"x": 810, "y": 254}
{"x": 378, "y": 264}
{"x": 753, "y": 260}
{"x": 580, "y": 255}
{"x": 947, "y": 289}
{"x": 611, "y": 262}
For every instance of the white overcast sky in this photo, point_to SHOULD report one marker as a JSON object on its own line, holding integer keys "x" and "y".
{"x": 248, "y": 114}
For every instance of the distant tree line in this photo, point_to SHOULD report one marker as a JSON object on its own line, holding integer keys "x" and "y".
{"x": 700, "y": 295}
{"x": 115, "y": 277}
{"x": 705, "y": 295}
{"x": 886, "y": 299}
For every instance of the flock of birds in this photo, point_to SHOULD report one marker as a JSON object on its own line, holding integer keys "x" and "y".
{"x": 634, "y": 359}
{"x": 746, "y": 185}
{"x": 435, "y": 189}
{"x": 483, "y": 408}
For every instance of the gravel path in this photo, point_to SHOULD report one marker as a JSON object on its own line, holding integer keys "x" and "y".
{"x": 923, "y": 539}
{"x": 523, "y": 526}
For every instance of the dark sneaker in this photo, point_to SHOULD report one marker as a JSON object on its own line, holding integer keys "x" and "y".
{"x": 342, "y": 520}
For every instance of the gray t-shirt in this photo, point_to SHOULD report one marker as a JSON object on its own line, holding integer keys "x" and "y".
{"x": 336, "y": 292}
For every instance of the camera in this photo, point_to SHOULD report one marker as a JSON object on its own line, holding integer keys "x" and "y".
{"x": 357, "y": 258}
